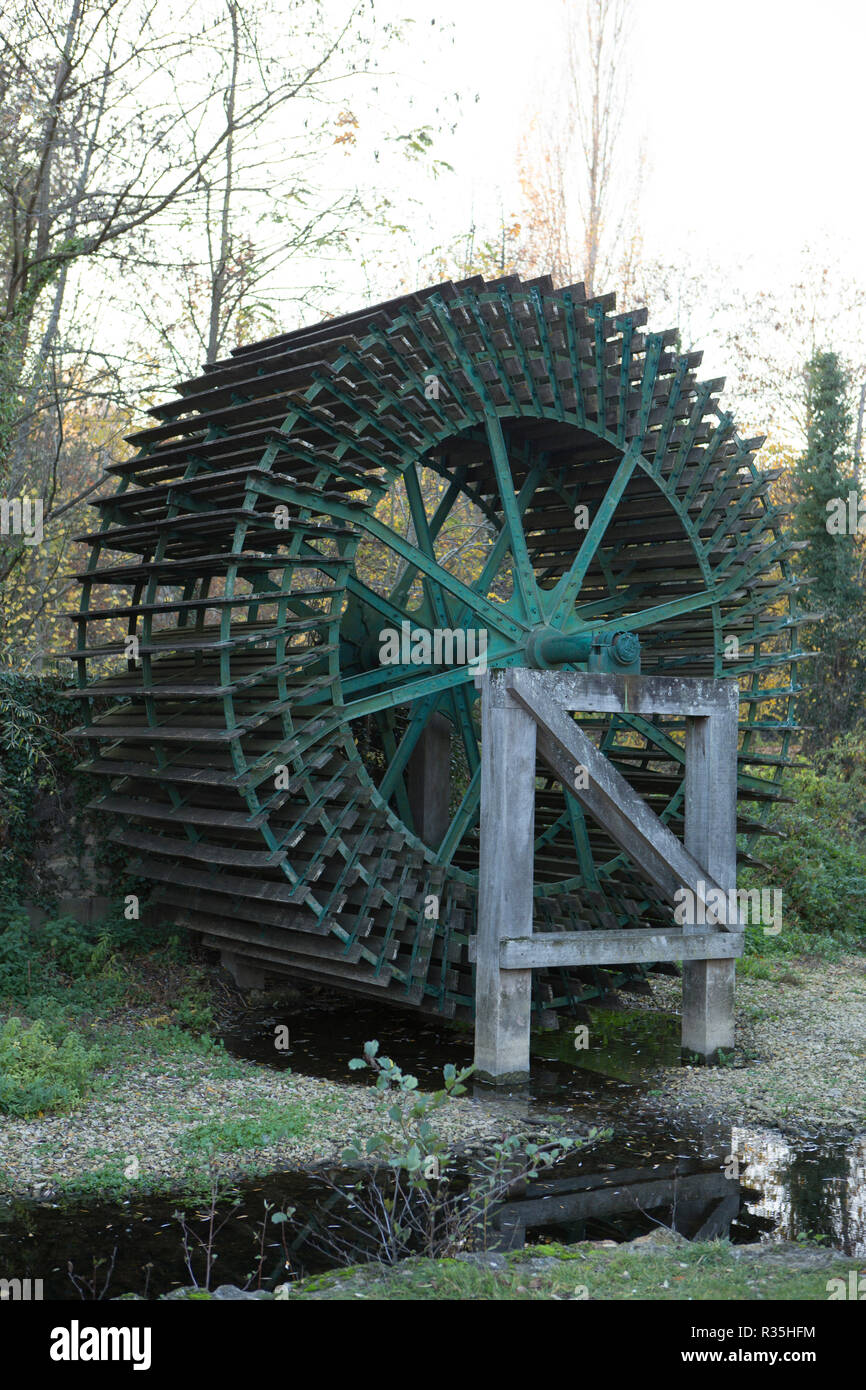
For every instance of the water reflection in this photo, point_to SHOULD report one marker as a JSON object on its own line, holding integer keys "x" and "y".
{"x": 696, "y": 1200}
{"x": 808, "y": 1188}
{"x": 790, "y": 1189}
{"x": 705, "y": 1183}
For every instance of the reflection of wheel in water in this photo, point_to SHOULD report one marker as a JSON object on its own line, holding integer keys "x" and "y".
{"x": 314, "y": 541}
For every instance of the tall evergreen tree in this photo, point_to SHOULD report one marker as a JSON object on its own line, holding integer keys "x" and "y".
{"x": 823, "y": 477}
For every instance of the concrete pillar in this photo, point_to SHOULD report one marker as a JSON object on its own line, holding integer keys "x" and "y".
{"x": 711, "y": 837}
{"x": 428, "y": 781}
{"x": 245, "y": 975}
{"x": 708, "y": 1008}
{"x": 505, "y": 878}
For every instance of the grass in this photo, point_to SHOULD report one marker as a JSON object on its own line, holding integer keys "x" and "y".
{"x": 86, "y": 1012}
{"x": 705, "y": 1270}
{"x": 270, "y": 1124}
{"x": 63, "y": 988}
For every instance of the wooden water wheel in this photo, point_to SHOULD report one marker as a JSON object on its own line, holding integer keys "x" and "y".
{"x": 499, "y": 458}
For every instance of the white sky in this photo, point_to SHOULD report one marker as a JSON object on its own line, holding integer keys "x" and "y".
{"x": 751, "y": 112}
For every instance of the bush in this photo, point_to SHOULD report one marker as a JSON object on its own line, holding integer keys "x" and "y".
{"x": 410, "y": 1196}
{"x": 37, "y": 1074}
{"x": 821, "y": 864}
{"x": 16, "y": 953}
{"x": 34, "y": 751}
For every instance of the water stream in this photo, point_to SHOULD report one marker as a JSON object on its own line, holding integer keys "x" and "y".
{"x": 691, "y": 1171}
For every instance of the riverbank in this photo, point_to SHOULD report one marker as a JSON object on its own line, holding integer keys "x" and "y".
{"x": 662, "y": 1266}
{"x": 799, "y": 1065}
{"x": 167, "y": 1106}
{"x": 172, "y": 1122}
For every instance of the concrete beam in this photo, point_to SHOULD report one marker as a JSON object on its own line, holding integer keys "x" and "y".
{"x": 595, "y": 692}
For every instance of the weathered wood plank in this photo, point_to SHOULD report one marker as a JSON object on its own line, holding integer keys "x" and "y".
{"x": 593, "y": 692}
{"x": 608, "y": 797}
{"x": 627, "y": 946}
{"x": 711, "y": 836}
{"x": 505, "y": 876}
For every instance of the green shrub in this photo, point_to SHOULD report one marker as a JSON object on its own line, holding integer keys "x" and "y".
{"x": 16, "y": 953}
{"x": 34, "y": 751}
{"x": 38, "y": 1074}
{"x": 820, "y": 865}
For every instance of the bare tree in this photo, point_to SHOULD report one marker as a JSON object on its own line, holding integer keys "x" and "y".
{"x": 581, "y": 197}
{"x": 596, "y": 74}
{"x": 134, "y": 140}
{"x": 115, "y": 115}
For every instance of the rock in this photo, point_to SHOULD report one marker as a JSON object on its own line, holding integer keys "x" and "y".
{"x": 225, "y": 1292}
{"x": 660, "y": 1236}
{"x": 484, "y": 1259}
{"x": 232, "y": 1292}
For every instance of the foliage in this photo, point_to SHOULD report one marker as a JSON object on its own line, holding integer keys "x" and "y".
{"x": 834, "y": 591}
{"x": 34, "y": 751}
{"x": 68, "y": 958}
{"x": 39, "y": 1074}
{"x": 65, "y": 975}
{"x": 15, "y": 952}
{"x": 412, "y": 1198}
{"x": 820, "y": 865}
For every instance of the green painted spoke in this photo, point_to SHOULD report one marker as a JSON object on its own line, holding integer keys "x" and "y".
{"x": 389, "y": 743}
{"x": 580, "y": 836}
{"x": 461, "y": 705}
{"x": 458, "y": 700}
{"x": 553, "y": 830}
{"x": 383, "y": 606}
{"x": 660, "y": 612}
{"x": 388, "y": 677}
{"x": 408, "y": 742}
{"x": 440, "y": 516}
{"x": 405, "y": 692}
{"x": 566, "y": 591}
{"x": 388, "y": 609}
{"x": 425, "y": 540}
{"x": 476, "y": 603}
{"x": 656, "y": 735}
{"x": 494, "y": 560}
{"x": 463, "y": 819}
{"x": 524, "y": 575}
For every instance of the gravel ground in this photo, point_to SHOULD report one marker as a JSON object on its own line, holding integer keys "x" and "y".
{"x": 152, "y": 1111}
{"x": 800, "y": 1061}
{"x": 799, "y": 1067}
